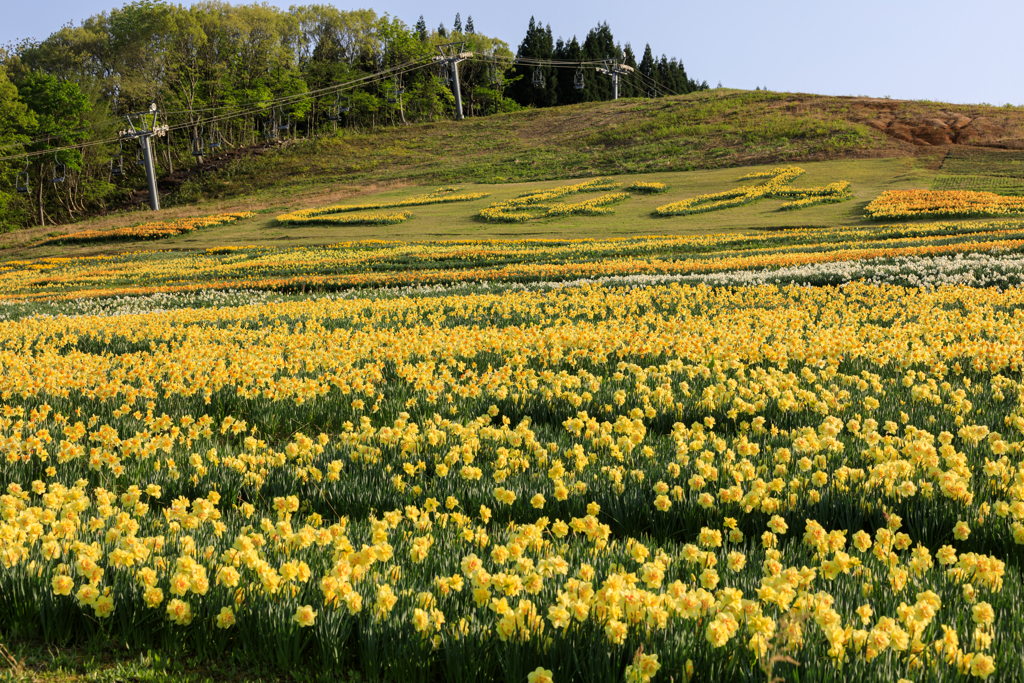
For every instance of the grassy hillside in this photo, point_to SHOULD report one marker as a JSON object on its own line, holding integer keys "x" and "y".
{"x": 711, "y": 129}
{"x": 868, "y": 177}
{"x": 878, "y": 144}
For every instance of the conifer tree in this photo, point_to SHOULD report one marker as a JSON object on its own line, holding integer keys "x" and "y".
{"x": 600, "y": 44}
{"x": 442, "y": 31}
{"x": 421, "y": 29}
{"x": 570, "y": 52}
{"x": 630, "y": 86}
{"x": 537, "y": 45}
{"x": 647, "y": 66}
{"x": 457, "y": 25}
{"x": 469, "y": 25}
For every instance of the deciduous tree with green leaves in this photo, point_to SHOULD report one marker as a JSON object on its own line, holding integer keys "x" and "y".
{"x": 59, "y": 108}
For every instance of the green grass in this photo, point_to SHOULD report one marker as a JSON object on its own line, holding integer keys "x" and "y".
{"x": 982, "y": 171}
{"x": 706, "y": 130}
{"x": 1007, "y": 187}
{"x": 102, "y": 661}
{"x": 968, "y": 161}
{"x": 711, "y": 129}
{"x": 868, "y": 177}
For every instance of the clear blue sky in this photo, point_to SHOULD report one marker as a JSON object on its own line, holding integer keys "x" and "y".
{"x": 960, "y": 52}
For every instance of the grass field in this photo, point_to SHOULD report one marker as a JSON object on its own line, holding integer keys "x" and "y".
{"x": 868, "y": 178}
{"x": 988, "y": 171}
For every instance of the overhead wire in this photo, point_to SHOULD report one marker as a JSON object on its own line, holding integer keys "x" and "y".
{"x": 397, "y": 70}
{"x": 311, "y": 93}
{"x": 390, "y": 72}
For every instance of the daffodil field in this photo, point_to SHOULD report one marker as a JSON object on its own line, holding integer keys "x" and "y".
{"x": 734, "y": 457}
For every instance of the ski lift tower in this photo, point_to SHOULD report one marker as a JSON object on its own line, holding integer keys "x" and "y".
{"x": 144, "y": 133}
{"x": 452, "y": 54}
{"x": 614, "y": 69}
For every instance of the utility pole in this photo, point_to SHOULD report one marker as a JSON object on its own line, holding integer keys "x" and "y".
{"x": 614, "y": 69}
{"x": 452, "y": 54}
{"x": 143, "y": 134}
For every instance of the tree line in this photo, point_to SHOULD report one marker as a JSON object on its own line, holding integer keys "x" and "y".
{"x": 228, "y": 76}
{"x": 558, "y": 85}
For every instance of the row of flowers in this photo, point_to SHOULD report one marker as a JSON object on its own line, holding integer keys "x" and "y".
{"x": 540, "y": 203}
{"x": 380, "y": 263}
{"x": 642, "y": 187}
{"x": 598, "y": 206}
{"x": 776, "y": 186}
{"x": 147, "y": 231}
{"x": 346, "y": 219}
{"x": 430, "y": 587}
{"x": 443, "y": 195}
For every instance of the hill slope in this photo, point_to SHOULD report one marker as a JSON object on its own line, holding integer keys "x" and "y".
{"x": 708, "y": 130}
{"x": 711, "y": 129}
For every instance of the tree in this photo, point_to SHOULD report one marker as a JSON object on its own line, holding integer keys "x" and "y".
{"x": 480, "y": 92}
{"x": 16, "y": 120}
{"x": 421, "y": 29}
{"x": 469, "y": 25}
{"x": 600, "y": 44}
{"x": 139, "y": 33}
{"x": 457, "y": 25}
{"x": 537, "y": 45}
{"x": 630, "y": 86}
{"x": 58, "y": 107}
{"x": 442, "y": 31}
{"x": 570, "y": 52}
{"x": 647, "y": 69}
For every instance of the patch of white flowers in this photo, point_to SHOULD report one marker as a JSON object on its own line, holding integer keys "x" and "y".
{"x": 132, "y": 305}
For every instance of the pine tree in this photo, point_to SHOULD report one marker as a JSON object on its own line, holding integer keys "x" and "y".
{"x": 600, "y": 44}
{"x": 570, "y": 52}
{"x": 442, "y": 31}
{"x": 647, "y": 69}
{"x": 630, "y": 86}
{"x": 421, "y": 29}
{"x": 537, "y": 45}
{"x": 469, "y": 25}
{"x": 457, "y": 26}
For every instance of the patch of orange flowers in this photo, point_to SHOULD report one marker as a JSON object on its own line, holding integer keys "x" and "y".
{"x": 148, "y": 231}
{"x": 942, "y": 204}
